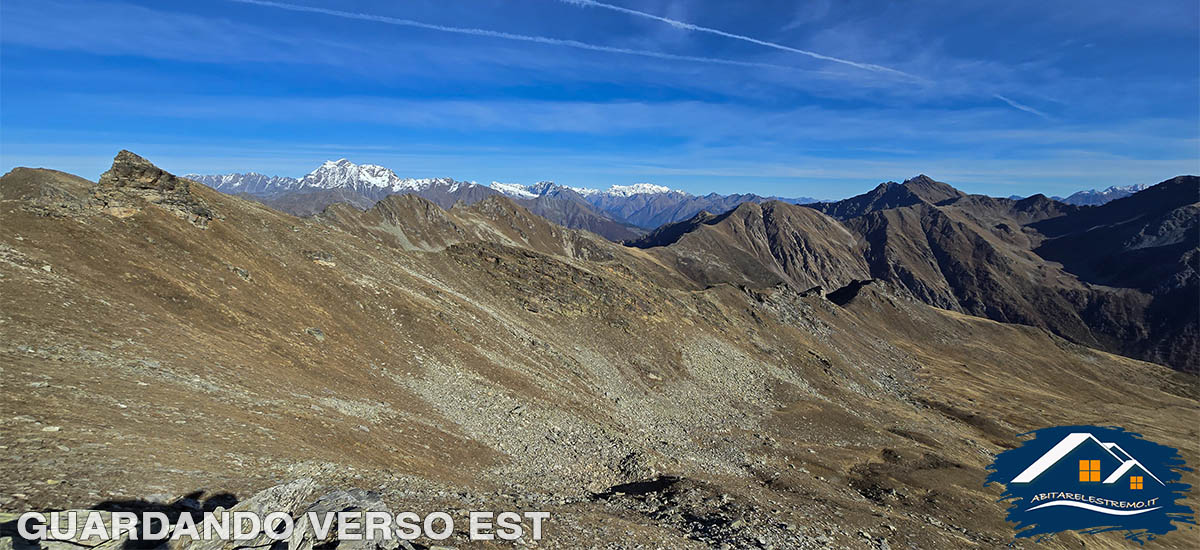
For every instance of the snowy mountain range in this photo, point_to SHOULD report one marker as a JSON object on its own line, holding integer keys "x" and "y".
{"x": 373, "y": 179}
{"x": 370, "y": 180}
{"x": 619, "y": 212}
{"x": 545, "y": 188}
{"x": 644, "y": 205}
{"x": 250, "y": 182}
{"x": 1092, "y": 197}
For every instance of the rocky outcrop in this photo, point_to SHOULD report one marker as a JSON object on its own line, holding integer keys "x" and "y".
{"x": 133, "y": 181}
{"x": 130, "y": 171}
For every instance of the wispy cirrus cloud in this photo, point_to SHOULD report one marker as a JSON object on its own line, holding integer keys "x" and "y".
{"x": 1021, "y": 106}
{"x": 577, "y": 44}
{"x": 775, "y": 45}
{"x": 691, "y": 27}
{"x": 487, "y": 33}
{"x": 119, "y": 28}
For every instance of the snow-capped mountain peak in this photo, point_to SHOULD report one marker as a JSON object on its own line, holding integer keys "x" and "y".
{"x": 249, "y": 182}
{"x": 370, "y": 180}
{"x": 1092, "y": 197}
{"x": 543, "y": 188}
{"x": 626, "y": 191}
{"x": 1131, "y": 189}
{"x": 345, "y": 174}
{"x": 638, "y": 189}
{"x": 342, "y": 173}
{"x": 513, "y": 190}
{"x": 585, "y": 191}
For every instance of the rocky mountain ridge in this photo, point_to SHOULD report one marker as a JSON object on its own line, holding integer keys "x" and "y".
{"x": 1120, "y": 277}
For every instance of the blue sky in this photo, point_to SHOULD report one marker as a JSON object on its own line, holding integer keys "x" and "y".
{"x": 823, "y": 98}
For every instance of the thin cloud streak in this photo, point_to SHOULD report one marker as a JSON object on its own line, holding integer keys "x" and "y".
{"x": 691, "y": 27}
{"x": 511, "y": 36}
{"x": 1021, "y": 107}
{"x": 865, "y": 66}
{"x": 487, "y": 33}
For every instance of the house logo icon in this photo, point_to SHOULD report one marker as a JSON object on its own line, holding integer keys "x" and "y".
{"x": 1092, "y": 479}
{"x": 1108, "y": 457}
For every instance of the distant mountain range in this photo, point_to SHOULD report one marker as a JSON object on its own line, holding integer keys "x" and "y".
{"x": 1092, "y": 197}
{"x": 621, "y": 212}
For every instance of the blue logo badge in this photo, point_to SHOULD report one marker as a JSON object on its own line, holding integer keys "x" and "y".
{"x": 1092, "y": 479}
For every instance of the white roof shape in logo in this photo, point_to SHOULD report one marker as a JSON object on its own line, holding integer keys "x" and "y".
{"x": 1068, "y": 444}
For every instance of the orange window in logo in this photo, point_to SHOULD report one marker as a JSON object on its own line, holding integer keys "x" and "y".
{"x": 1135, "y": 482}
{"x": 1089, "y": 470}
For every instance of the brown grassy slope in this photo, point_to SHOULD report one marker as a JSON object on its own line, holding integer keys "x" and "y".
{"x": 761, "y": 245}
{"x": 263, "y": 347}
{"x": 1122, "y": 277}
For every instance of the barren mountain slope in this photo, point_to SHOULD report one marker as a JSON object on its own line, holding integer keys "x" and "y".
{"x": 761, "y": 245}
{"x": 944, "y": 259}
{"x": 890, "y": 195}
{"x": 412, "y": 223}
{"x": 310, "y": 202}
{"x": 652, "y": 210}
{"x": 1149, "y": 241}
{"x": 1121, "y": 277}
{"x": 505, "y": 370}
{"x": 42, "y": 186}
{"x": 1134, "y": 242}
{"x": 580, "y": 215}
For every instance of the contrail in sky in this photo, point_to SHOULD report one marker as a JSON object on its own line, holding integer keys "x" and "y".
{"x": 1020, "y": 106}
{"x": 611, "y": 49}
{"x": 510, "y": 36}
{"x": 865, "y": 66}
{"x": 688, "y": 26}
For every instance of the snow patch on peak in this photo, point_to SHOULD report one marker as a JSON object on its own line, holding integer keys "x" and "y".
{"x": 343, "y": 173}
{"x": 513, "y": 190}
{"x": 249, "y": 182}
{"x": 421, "y": 184}
{"x": 638, "y": 189}
{"x": 585, "y": 191}
{"x": 1092, "y": 197}
{"x": 541, "y": 188}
